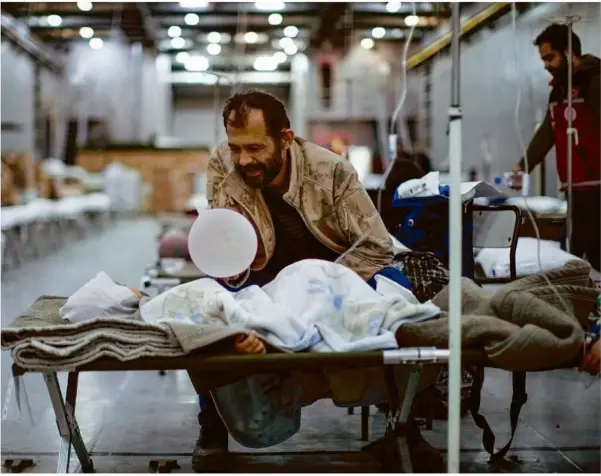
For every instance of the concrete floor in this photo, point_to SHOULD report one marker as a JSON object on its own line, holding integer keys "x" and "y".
{"x": 128, "y": 419}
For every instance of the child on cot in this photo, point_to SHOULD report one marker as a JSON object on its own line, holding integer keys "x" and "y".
{"x": 591, "y": 363}
{"x": 249, "y": 344}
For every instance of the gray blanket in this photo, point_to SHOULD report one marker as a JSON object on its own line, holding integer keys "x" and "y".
{"x": 526, "y": 326}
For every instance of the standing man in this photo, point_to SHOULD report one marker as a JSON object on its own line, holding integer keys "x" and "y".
{"x": 552, "y": 46}
{"x": 304, "y": 202}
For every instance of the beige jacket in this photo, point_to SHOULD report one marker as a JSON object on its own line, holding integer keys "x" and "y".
{"x": 325, "y": 190}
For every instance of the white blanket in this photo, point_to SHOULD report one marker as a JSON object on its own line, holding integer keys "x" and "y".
{"x": 495, "y": 261}
{"x": 311, "y": 304}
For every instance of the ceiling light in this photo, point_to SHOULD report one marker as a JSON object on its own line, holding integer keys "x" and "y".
{"x": 291, "y": 31}
{"x": 213, "y": 49}
{"x": 86, "y": 32}
{"x": 367, "y": 43}
{"x": 96, "y": 43}
{"x": 214, "y": 37}
{"x": 270, "y": 6}
{"x": 54, "y": 20}
{"x": 182, "y": 57}
{"x": 275, "y": 19}
{"x": 265, "y": 63}
{"x": 178, "y": 42}
{"x": 191, "y": 19}
{"x": 193, "y": 4}
{"x": 251, "y": 37}
{"x": 397, "y": 33}
{"x": 280, "y": 56}
{"x": 378, "y": 32}
{"x": 290, "y": 49}
{"x": 84, "y": 6}
{"x": 286, "y": 41}
{"x": 196, "y": 63}
{"x": 174, "y": 31}
{"x": 393, "y": 7}
{"x": 411, "y": 20}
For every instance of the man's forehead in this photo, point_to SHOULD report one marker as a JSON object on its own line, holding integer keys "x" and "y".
{"x": 545, "y": 48}
{"x": 254, "y": 124}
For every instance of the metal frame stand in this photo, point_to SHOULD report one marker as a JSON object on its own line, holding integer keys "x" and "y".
{"x": 402, "y": 372}
{"x": 68, "y": 429}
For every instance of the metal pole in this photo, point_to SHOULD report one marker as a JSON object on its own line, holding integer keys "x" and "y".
{"x": 570, "y": 139}
{"x": 455, "y": 258}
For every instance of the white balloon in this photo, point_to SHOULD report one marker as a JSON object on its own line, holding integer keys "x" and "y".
{"x": 222, "y": 243}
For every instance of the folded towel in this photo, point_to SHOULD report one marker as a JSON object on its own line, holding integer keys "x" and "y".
{"x": 100, "y": 297}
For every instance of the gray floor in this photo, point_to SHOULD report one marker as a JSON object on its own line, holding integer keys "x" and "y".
{"x": 129, "y": 418}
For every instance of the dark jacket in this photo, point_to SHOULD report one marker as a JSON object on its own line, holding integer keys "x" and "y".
{"x": 553, "y": 131}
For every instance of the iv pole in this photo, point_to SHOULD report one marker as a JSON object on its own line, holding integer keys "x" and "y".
{"x": 455, "y": 259}
{"x": 571, "y": 133}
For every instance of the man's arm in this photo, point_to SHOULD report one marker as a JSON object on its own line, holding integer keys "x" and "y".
{"x": 540, "y": 145}
{"x": 371, "y": 245}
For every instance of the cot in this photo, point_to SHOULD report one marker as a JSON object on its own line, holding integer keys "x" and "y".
{"x": 402, "y": 371}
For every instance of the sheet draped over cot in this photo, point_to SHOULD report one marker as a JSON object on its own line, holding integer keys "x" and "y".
{"x": 521, "y": 328}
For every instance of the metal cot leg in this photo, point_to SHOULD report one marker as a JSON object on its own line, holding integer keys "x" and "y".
{"x": 365, "y": 423}
{"x": 401, "y": 382}
{"x": 64, "y": 409}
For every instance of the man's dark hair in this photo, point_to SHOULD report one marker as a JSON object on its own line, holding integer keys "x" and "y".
{"x": 557, "y": 36}
{"x": 240, "y": 104}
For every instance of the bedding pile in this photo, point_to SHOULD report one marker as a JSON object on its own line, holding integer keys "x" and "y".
{"x": 311, "y": 305}
{"x": 315, "y": 306}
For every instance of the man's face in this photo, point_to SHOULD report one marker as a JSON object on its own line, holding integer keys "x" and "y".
{"x": 555, "y": 61}
{"x": 257, "y": 156}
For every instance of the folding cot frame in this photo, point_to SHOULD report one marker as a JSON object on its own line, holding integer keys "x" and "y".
{"x": 402, "y": 371}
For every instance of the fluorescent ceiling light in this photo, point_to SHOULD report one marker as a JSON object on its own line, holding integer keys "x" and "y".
{"x": 174, "y": 31}
{"x": 265, "y": 63}
{"x": 291, "y": 31}
{"x": 84, "y": 6}
{"x": 54, "y": 20}
{"x": 270, "y": 6}
{"x": 182, "y": 57}
{"x": 290, "y": 49}
{"x": 251, "y": 37}
{"x": 96, "y": 43}
{"x": 393, "y": 7}
{"x": 213, "y": 49}
{"x": 191, "y": 19}
{"x": 367, "y": 43}
{"x": 411, "y": 20}
{"x": 196, "y": 63}
{"x": 275, "y": 19}
{"x": 286, "y": 41}
{"x": 280, "y": 56}
{"x": 86, "y": 32}
{"x": 378, "y": 32}
{"x": 193, "y": 4}
{"x": 214, "y": 37}
{"x": 178, "y": 42}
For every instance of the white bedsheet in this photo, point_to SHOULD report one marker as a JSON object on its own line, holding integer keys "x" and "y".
{"x": 495, "y": 261}
{"x": 311, "y": 304}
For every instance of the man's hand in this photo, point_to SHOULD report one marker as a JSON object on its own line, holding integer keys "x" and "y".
{"x": 516, "y": 178}
{"x": 592, "y": 361}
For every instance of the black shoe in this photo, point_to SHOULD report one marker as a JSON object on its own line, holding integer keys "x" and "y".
{"x": 424, "y": 457}
{"x": 210, "y": 452}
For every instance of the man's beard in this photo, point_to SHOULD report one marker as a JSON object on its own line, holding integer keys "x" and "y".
{"x": 560, "y": 74}
{"x": 266, "y": 172}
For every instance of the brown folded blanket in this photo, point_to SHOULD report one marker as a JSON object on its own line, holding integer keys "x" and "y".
{"x": 524, "y": 326}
